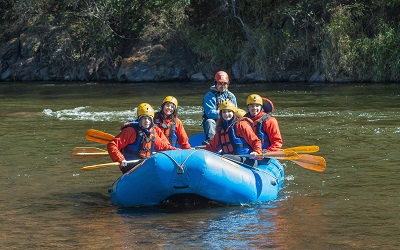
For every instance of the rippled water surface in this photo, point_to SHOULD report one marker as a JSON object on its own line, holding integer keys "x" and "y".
{"x": 47, "y": 203}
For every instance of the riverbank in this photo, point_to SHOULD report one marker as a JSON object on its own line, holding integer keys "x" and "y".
{"x": 154, "y": 63}
{"x": 153, "y": 41}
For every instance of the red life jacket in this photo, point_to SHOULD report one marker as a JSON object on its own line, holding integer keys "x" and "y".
{"x": 168, "y": 130}
{"x": 231, "y": 143}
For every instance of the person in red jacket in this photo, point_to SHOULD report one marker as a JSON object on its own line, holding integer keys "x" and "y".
{"x": 235, "y": 135}
{"x": 265, "y": 125}
{"x": 138, "y": 140}
{"x": 166, "y": 119}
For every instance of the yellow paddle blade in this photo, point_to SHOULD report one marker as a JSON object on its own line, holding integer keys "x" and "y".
{"x": 100, "y": 166}
{"x": 312, "y": 162}
{"x": 88, "y": 153}
{"x": 90, "y": 150}
{"x": 114, "y": 164}
{"x": 98, "y": 136}
{"x": 303, "y": 149}
{"x": 280, "y": 155}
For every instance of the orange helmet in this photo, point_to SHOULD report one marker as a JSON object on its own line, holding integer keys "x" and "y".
{"x": 228, "y": 105}
{"x": 221, "y": 76}
{"x": 254, "y": 99}
{"x": 171, "y": 99}
{"x": 145, "y": 109}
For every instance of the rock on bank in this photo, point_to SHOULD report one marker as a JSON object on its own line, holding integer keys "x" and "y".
{"x": 45, "y": 57}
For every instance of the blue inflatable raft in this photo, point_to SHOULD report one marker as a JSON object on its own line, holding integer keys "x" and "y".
{"x": 198, "y": 173}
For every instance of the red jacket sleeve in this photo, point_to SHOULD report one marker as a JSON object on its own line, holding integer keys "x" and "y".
{"x": 245, "y": 130}
{"x": 271, "y": 127}
{"x": 183, "y": 139}
{"x": 125, "y": 137}
{"x": 161, "y": 134}
{"x": 214, "y": 145}
{"x": 161, "y": 142}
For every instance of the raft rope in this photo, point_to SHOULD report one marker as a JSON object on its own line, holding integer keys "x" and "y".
{"x": 250, "y": 167}
{"x": 180, "y": 169}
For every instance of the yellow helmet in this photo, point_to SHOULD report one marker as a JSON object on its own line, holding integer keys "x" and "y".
{"x": 254, "y": 99}
{"x": 241, "y": 112}
{"x": 228, "y": 105}
{"x": 145, "y": 109}
{"x": 172, "y": 100}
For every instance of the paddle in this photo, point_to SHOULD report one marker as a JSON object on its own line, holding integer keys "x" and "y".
{"x": 107, "y": 165}
{"x": 196, "y": 140}
{"x": 104, "y": 138}
{"x": 299, "y": 149}
{"x": 312, "y": 162}
{"x": 303, "y": 149}
{"x": 98, "y": 136}
{"x": 279, "y": 155}
{"x": 89, "y": 151}
{"x": 316, "y": 163}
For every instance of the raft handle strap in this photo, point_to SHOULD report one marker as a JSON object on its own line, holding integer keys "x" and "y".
{"x": 180, "y": 169}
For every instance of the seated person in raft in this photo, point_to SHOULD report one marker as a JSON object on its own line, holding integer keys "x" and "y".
{"x": 138, "y": 140}
{"x": 235, "y": 136}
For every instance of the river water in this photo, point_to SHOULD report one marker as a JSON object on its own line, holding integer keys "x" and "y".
{"x": 46, "y": 202}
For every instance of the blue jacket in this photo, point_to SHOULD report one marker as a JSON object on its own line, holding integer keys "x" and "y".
{"x": 262, "y": 135}
{"x": 213, "y": 99}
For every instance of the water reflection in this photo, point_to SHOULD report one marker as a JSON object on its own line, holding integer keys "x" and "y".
{"x": 211, "y": 228}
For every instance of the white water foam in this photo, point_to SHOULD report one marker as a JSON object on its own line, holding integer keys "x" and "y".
{"x": 88, "y": 114}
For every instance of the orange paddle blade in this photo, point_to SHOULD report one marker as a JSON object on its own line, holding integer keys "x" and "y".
{"x": 303, "y": 149}
{"x": 98, "y": 136}
{"x": 312, "y": 162}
